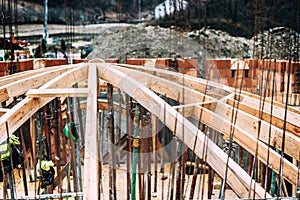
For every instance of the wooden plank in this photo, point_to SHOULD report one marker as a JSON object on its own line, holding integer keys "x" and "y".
{"x": 25, "y": 74}
{"x": 91, "y": 154}
{"x": 189, "y": 81}
{"x": 3, "y": 111}
{"x": 65, "y": 92}
{"x": 293, "y": 115}
{"x": 292, "y": 141}
{"x": 21, "y": 112}
{"x": 238, "y": 179}
{"x": 19, "y": 87}
{"x": 247, "y": 141}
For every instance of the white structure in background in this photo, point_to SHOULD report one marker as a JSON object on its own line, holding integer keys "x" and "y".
{"x": 167, "y": 7}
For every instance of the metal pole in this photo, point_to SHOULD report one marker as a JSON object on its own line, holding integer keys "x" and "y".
{"x": 135, "y": 152}
{"x": 45, "y": 35}
{"x": 72, "y": 144}
{"x": 154, "y": 142}
{"x": 77, "y": 144}
{"x": 23, "y": 166}
{"x": 118, "y": 128}
{"x": 54, "y": 196}
{"x": 140, "y": 11}
{"x": 11, "y": 185}
{"x": 129, "y": 133}
{"x": 57, "y": 145}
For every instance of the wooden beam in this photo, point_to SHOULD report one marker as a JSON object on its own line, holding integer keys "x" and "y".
{"x": 251, "y": 106}
{"x": 91, "y": 154}
{"x": 163, "y": 85}
{"x": 64, "y": 92}
{"x": 293, "y": 116}
{"x": 25, "y": 74}
{"x": 189, "y": 81}
{"x": 21, "y": 112}
{"x": 238, "y": 179}
{"x": 3, "y": 111}
{"x": 19, "y": 87}
{"x": 247, "y": 141}
{"x": 248, "y": 122}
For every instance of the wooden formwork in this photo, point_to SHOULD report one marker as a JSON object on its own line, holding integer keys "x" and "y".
{"x": 216, "y": 104}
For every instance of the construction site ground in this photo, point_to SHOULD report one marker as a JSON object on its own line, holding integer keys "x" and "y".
{"x": 162, "y": 183}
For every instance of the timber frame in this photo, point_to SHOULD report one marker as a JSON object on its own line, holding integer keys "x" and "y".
{"x": 216, "y": 106}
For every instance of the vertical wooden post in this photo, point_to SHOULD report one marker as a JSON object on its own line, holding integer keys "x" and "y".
{"x": 294, "y": 189}
{"x": 91, "y": 154}
{"x": 111, "y": 142}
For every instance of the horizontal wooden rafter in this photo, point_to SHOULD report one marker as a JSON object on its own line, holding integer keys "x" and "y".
{"x": 63, "y": 92}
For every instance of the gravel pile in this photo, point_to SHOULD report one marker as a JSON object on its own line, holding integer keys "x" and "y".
{"x": 219, "y": 44}
{"x": 140, "y": 41}
{"x": 153, "y": 41}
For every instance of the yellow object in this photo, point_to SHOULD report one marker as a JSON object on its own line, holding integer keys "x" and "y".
{"x": 45, "y": 165}
{"x": 136, "y": 142}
